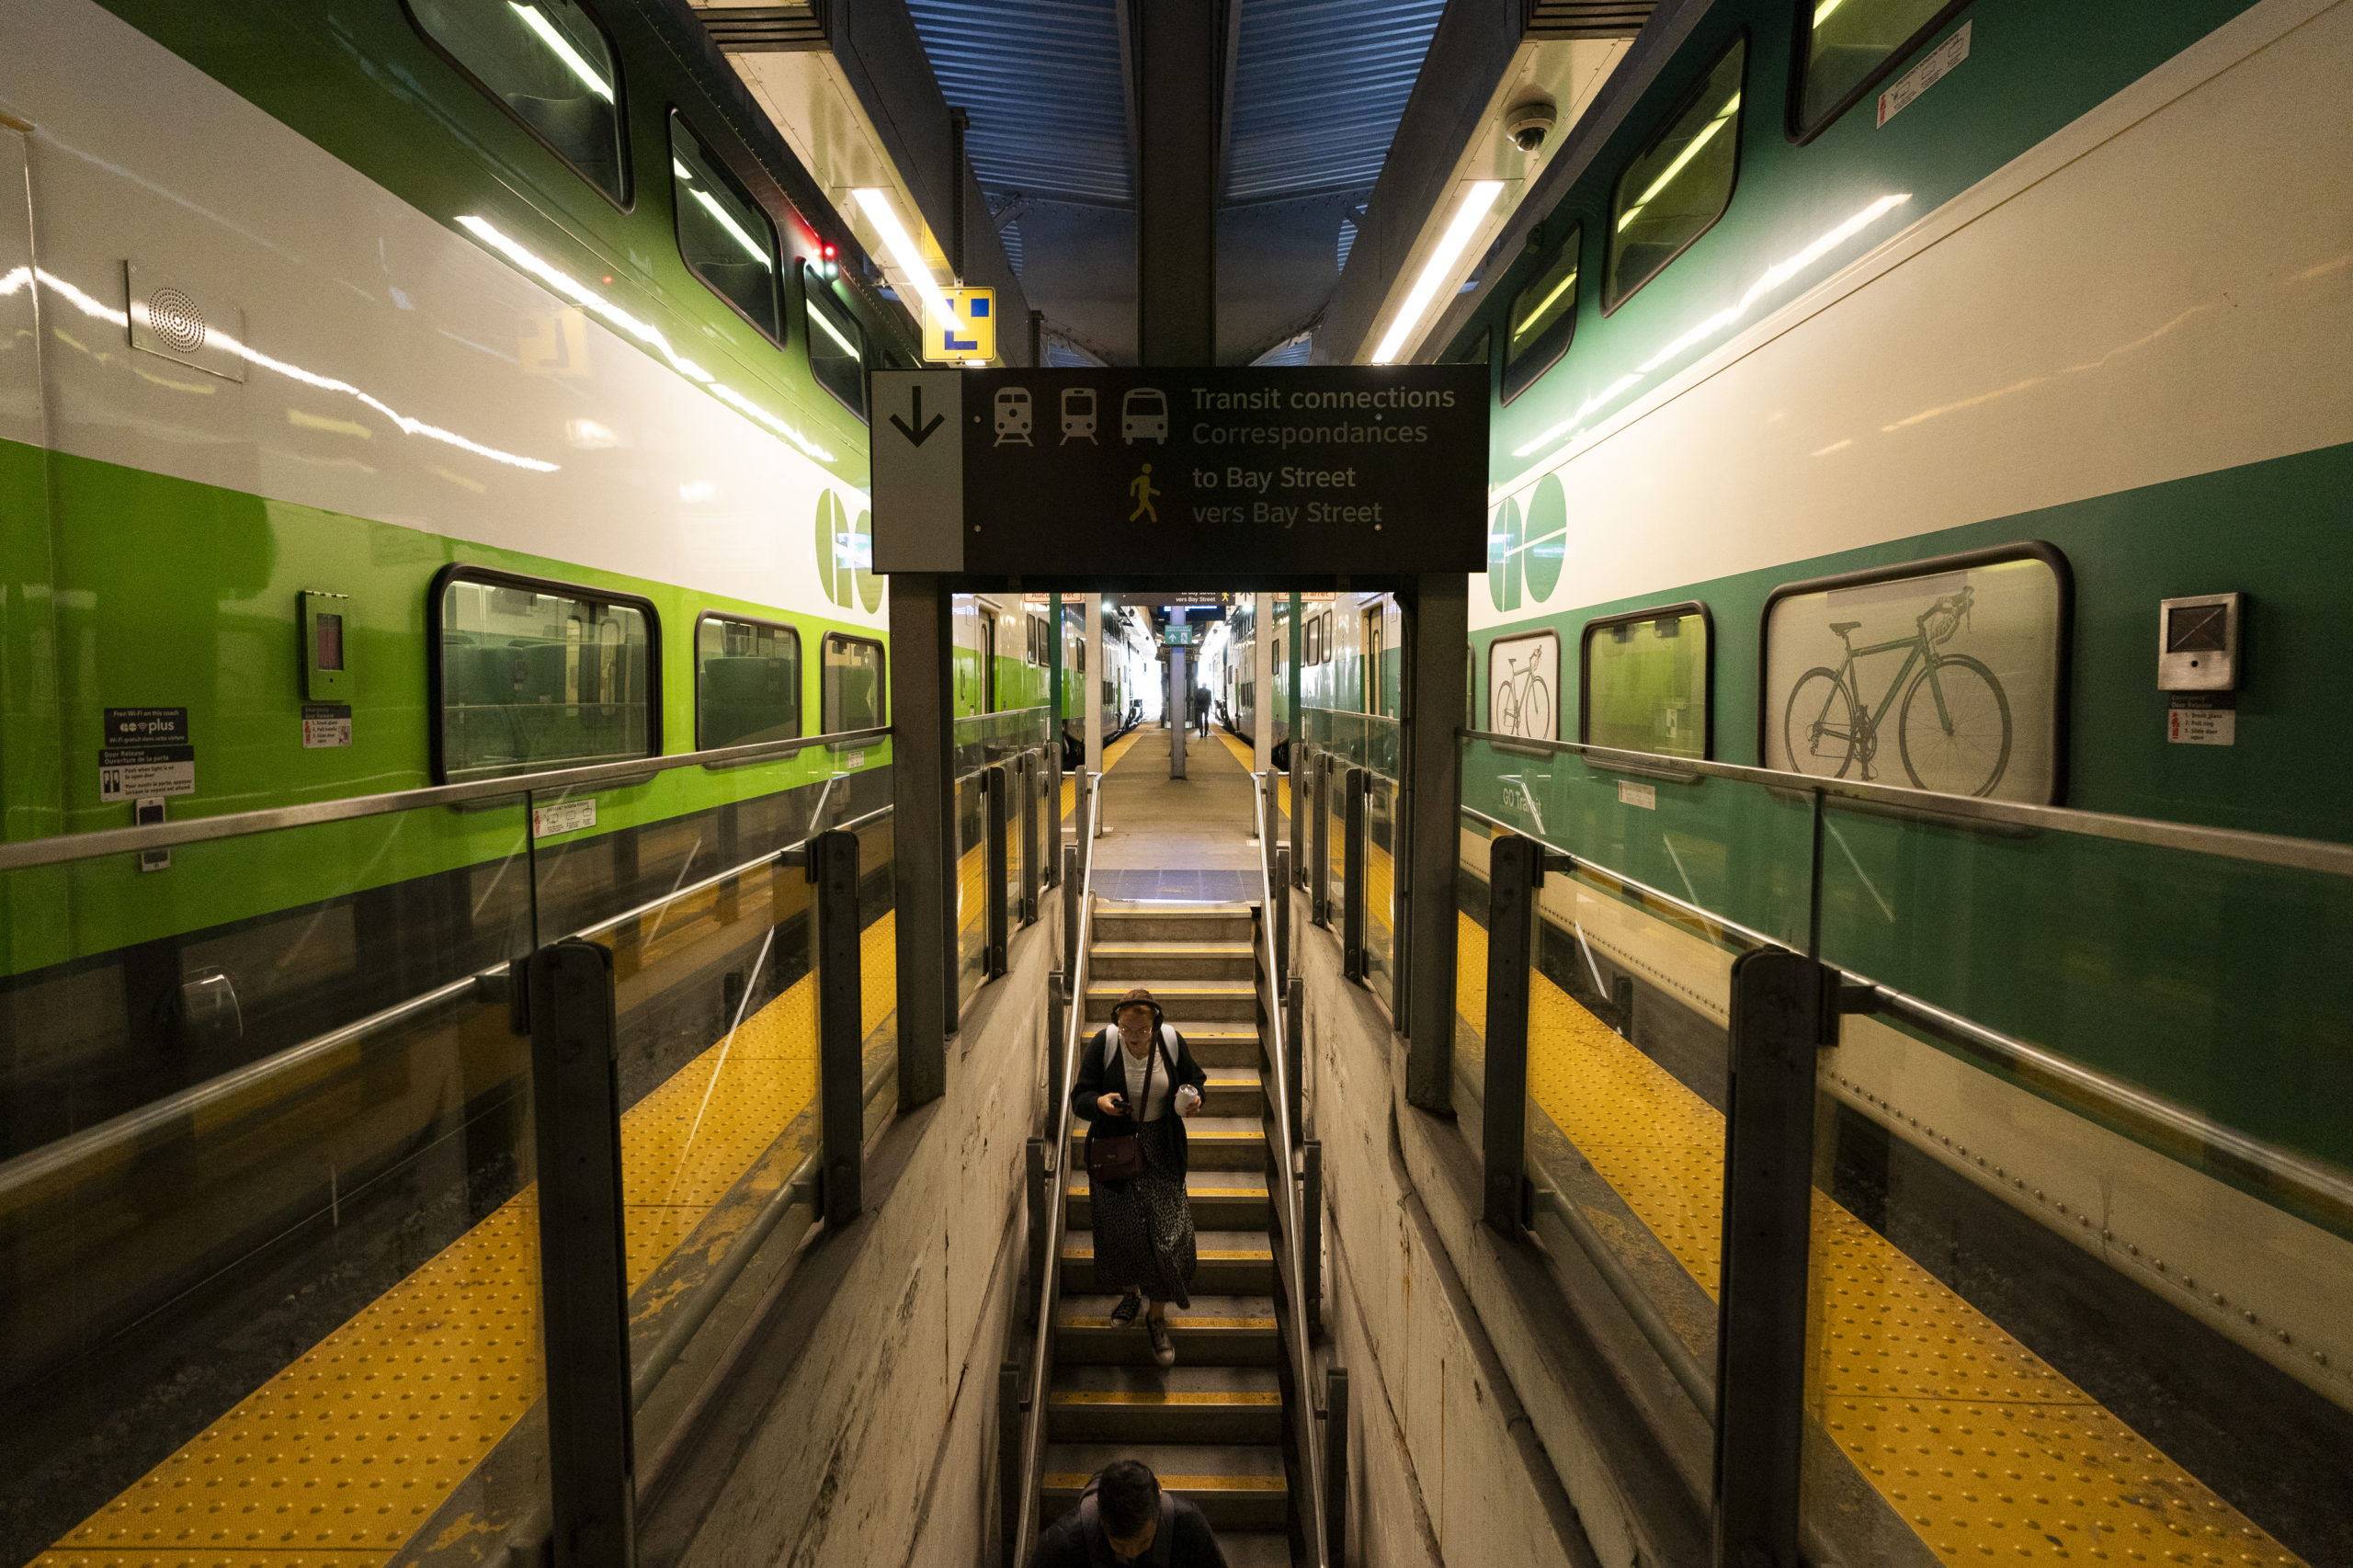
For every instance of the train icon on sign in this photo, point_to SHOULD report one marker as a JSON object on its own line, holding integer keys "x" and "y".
{"x": 1078, "y": 415}
{"x": 1143, "y": 416}
{"x": 1013, "y": 415}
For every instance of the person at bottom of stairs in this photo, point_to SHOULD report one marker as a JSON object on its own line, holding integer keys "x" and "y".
{"x": 1124, "y": 1517}
{"x": 1139, "y": 1070}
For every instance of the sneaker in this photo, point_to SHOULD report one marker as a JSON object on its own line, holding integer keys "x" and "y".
{"x": 1164, "y": 1343}
{"x": 1124, "y": 1314}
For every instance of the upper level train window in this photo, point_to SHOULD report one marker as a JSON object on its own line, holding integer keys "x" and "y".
{"x": 538, "y": 676}
{"x": 1679, "y": 185}
{"x": 1480, "y": 350}
{"x": 1646, "y": 682}
{"x": 1847, "y": 47}
{"x": 722, "y": 234}
{"x": 548, "y": 62}
{"x": 837, "y": 346}
{"x": 747, "y": 681}
{"x": 1543, "y": 315}
{"x": 853, "y": 685}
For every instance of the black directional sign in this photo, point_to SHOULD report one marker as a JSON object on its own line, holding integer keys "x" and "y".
{"x": 1351, "y": 470}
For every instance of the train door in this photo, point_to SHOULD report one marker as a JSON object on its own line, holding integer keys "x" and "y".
{"x": 1372, "y": 651}
{"x": 988, "y": 657}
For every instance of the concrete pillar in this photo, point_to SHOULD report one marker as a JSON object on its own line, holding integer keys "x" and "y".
{"x": 1180, "y": 701}
{"x": 1098, "y": 670}
{"x": 1262, "y": 683}
{"x": 1179, "y": 64}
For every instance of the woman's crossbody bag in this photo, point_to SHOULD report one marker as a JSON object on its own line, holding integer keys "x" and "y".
{"x": 1121, "y": 1157}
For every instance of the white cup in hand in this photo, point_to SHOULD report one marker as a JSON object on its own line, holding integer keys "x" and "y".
{"x": 1188, "y": 1099}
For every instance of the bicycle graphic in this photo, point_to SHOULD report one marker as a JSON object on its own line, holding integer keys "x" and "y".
{"x": 1523, "y": 704}
{"x": 1955, "y": 739}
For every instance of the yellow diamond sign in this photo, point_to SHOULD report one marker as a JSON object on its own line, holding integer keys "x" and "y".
{"x": 975, "y": 334}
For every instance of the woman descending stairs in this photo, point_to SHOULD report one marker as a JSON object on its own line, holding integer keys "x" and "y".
{"x": 1212, "y": 1426}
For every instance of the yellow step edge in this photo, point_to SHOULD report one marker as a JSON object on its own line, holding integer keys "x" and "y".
{"x": 1244, "y": 1254}
{"x": 1090, "y": 1396}
{"x": 1080, "y": 1183}
{"x": 1066, "y": 1481}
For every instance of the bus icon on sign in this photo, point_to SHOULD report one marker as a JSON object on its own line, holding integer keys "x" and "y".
{"x": 1012, "y": 415}
{"x": 1143, "y": 416}
{"x": 1078, "y": 415}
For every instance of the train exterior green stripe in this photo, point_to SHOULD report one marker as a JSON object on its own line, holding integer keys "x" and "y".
{"x": 214, "y": 566}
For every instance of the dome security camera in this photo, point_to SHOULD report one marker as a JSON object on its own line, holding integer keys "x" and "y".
{"x": 1530, "y": 123}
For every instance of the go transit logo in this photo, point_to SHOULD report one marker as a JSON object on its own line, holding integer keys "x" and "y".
{"x": 1527, "y": 549}
{"x": 846, "y": 555}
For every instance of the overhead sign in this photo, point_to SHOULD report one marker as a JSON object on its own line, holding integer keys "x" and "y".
{"x": 1362, "y": 470}
{"x": 974, "y": 338}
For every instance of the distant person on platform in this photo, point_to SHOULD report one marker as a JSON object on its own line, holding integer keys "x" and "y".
{"x": 1124, "y": 1517}
{"x": 1201, "y": 709}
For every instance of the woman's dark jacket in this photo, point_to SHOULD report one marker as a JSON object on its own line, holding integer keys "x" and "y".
{"x": 1096, "y": 1080}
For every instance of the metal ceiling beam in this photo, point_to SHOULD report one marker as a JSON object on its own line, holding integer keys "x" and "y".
{"x": 1233, "y": 24}
{"x": 1181, "y": 57}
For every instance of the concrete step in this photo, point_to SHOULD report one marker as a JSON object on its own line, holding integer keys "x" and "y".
{"x": 1238, "y": 1486}
{"x": 1216, "y": 1331}
{"x": 1119, "y": 922}
{"x": 1233, "y": 1262}
{"x": 1211, "y": 1143}
{"x": 1223, "y": 1200}
{"x": 1222, "y": 1044}
{"x": 1182, "y": 1405}
{"x": 1256, "y": 1549}
{"x": 1208, "y": 1000}
{"x": 1149, "y": 963}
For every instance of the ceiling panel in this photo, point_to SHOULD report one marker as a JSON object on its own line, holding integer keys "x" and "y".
{"x": 1040, "y": 79}
{"x": 1319, "y": 88}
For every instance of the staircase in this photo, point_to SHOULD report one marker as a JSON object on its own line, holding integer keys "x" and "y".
{"x": 1212, "y": 1427}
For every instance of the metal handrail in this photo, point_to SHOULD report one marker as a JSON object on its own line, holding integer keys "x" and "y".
{"x": 51, "y": 1158}
{"x": 2317, "y": 1185}
{"x": 2234, "y": 843}
{"x": 64, "y": 848}
{"x": 1307, "y": 1435}
{"x": 1033, "y": 1431}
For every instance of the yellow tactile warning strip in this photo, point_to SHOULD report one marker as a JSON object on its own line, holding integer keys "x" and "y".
{"x": 1231, "y": 1255}
{"x": 1161, "y": 1396}
{"x": 338, "y": 1461}
{"x": 1977, "y": 1443}
{"x": 1266, "y": 1326}
{"x": 1241, "y": 753}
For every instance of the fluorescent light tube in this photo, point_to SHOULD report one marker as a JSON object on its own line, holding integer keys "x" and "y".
{"x": 902, "y": 246}
{"x": 1476, "y": 203}
{"x": 562, "y": 48}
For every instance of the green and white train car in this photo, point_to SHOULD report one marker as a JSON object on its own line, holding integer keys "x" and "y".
{"x": 391, "y": 395}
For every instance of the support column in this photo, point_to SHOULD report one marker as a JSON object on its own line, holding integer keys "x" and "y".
{"x": 1437, "y": 632}
{"x": 1180, "y": 702}
{"x": 924, "y": 858}
{"x": 1180, "y": 65}
{"x": 1098, "y": 670}
{"x": 1262, "y": 685}
{"x": 1055, "y": 707}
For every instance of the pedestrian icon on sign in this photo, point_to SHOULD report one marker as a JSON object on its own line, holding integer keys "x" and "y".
{"x": 1141, "y": 488}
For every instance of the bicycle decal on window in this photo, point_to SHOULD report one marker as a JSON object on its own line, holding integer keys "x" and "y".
{"x": 1523, "y": 681}
{"x": 1942, "y": 680}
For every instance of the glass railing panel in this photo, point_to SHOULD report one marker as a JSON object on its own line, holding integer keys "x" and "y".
{"x": 1379, "y": 873}
{"x": 1019, "y": 779}
{"x": 1336, "y": 828}
{"x": 2131, "y": 1222}
{"x": 1472, "y": 898}
{"x": 972, "y": 887}
{"x": 877, "y": 952}
{"x": 981, "y": 739}
{"x": 265, "y": 1113}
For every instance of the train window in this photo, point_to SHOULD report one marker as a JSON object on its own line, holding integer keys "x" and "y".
{"x": 530, "y": 676}
{"x": 550, "y": 65}
{"x": 853, "y": 695}
{"x": 747, "y": 681}
{"x": 1543, "y": 317}
{"x": 1678, "y": 186}
{"x": 1847, "y": 47}
{"x": 836, "y": 344}
{"x": 725, "y": 238}
{"x": 1480, "y": 350}
{"x": 1645, "y": 679}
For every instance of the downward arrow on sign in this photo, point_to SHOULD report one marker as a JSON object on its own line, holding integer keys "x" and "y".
{"x": 918, "y": 433}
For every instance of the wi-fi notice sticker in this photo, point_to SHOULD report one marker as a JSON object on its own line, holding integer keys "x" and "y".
{"x": 146, "y": 752}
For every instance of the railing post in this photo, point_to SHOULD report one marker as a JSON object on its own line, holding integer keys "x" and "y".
{"x": 998, "y": 931}
{"x": 1057, "y": 1028}
{"x": 1281, "y": 889}
{"x": 1295, "y": 1053}
{"x": 1515, "y": 870}
{"x": 1073, "y": 888}
{"x": 1037, "y": 1184}
{"x": 1319, "y": 891}
{"x": 1008, "y": 1458}
{"x": 1335, "y": 1464}
{"x": 1780, "y": 1005}
{"x": 1299, "y": 829}
{"x": 1352, "y": 875}
{"x": 575, "y": 1118}
{"x": 1311, "y": 1228}
{"x": 841, "y": 1030}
